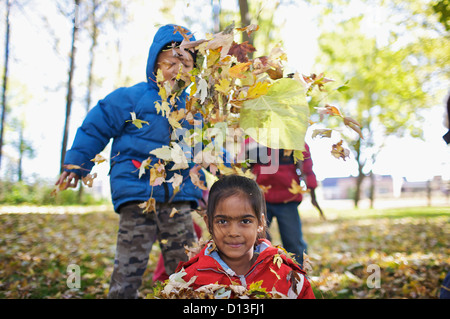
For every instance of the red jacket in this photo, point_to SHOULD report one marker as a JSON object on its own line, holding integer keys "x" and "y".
{"x": 281, "y": 181}
{"x": 273, "y": 275}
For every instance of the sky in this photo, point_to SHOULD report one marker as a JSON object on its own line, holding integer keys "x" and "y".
{"x": 43, "y": 71}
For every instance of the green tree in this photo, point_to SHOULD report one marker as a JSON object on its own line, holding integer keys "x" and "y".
{"x": 389, "y": 83}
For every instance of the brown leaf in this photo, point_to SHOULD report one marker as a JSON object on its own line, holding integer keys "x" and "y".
{"x": 240, "y": 51}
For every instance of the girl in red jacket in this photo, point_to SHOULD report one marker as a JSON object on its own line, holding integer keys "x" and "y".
{"x": 238, "y": 255}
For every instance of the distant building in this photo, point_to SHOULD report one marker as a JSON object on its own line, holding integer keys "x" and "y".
{"x": 385, "y": 187}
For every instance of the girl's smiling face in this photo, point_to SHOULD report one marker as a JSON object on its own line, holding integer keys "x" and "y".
{"x": 235, "y": 231}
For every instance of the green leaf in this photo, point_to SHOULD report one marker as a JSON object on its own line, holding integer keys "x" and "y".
{"x": 278, "y": 119}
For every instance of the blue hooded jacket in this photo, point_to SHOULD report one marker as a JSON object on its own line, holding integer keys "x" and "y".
{"x": 108, "y": 119}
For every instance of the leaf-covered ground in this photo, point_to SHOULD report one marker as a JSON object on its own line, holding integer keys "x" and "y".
{"x": 410, "y": 247}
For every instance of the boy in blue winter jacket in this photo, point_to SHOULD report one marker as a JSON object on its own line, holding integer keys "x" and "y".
{"x": 111, "y": 118}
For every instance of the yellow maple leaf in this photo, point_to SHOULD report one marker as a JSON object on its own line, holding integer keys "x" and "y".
{"x": 238, "y": 70}
{"x": 223, "y": 86}
{"x": 296, "y": 188}
{"x": 260, "y": 88}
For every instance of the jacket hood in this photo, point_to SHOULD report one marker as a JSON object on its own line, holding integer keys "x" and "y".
{"x": 165, "y": 35}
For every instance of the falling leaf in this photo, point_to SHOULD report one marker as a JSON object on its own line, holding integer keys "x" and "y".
{"x": 241, "y": 50}
{"x": 354, "y": 125}
{"x": 143, "y": 166}
{"x": 184, "y": 32}
{"x": 173, "y": 212}
{"x": 238, "y": 70}
{"x": 296, "y": 188}
{"x": 138, "y": 123}
{"x": 164, "y": 153}
{"x": 163, "y": 108}
{"x": 340, "y": 152}
{"x": 195, "y": 177}
{"x": 257, "y": 90}
{"x": 157, "y": 174}
{"x": 265, "y": 188}
{"x": 223, "y": 86}
{"x": 88, "y": 180}
{"x": 221, "y": 40}
{"x": 98, "y": 159}
{"x": 249, "y": 29}
{"x": 176, "y": 181}
{"x": 203, "y": 90}
{"x": 307, "y": 264}
{"x": 284, "y": 110}
{"x": 149, "y": 206}
{"x": 72, "y": 166}
{"x": 277, "y": 260}
{"x": 322, "y": 133}
{"x": 175, "y": 117}
{"x": 178, "y": 157}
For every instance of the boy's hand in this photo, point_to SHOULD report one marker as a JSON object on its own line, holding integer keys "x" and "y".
{"x": 72, "y": 180}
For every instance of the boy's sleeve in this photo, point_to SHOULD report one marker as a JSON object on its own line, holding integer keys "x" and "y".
{"x": 105, "y": 121}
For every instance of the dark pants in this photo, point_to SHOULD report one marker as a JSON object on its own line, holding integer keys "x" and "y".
{"x": 137, "y": 234}
{"x": 290, "y": 227}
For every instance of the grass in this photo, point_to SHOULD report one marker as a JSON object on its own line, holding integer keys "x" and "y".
{"x": 409, "y": 245}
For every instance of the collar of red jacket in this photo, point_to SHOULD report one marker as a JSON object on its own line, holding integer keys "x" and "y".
{"x": 203, "y": 261}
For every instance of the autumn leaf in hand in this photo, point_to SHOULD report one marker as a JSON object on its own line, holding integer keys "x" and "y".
{"x": 240, "y": 51}
{"x": 340, "y": 152}
{"x": 138, "y": 123}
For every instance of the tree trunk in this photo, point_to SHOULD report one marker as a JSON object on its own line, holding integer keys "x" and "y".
{"x": 69, "y": 97}
{"x": 245, "y": 18}
{"x": 5, "y": 75}
{"x": 360, "y": 177}
{"x": 22, "y": 147}
{"x": 372, "y": 189}
{"x": 216, "y": 8}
